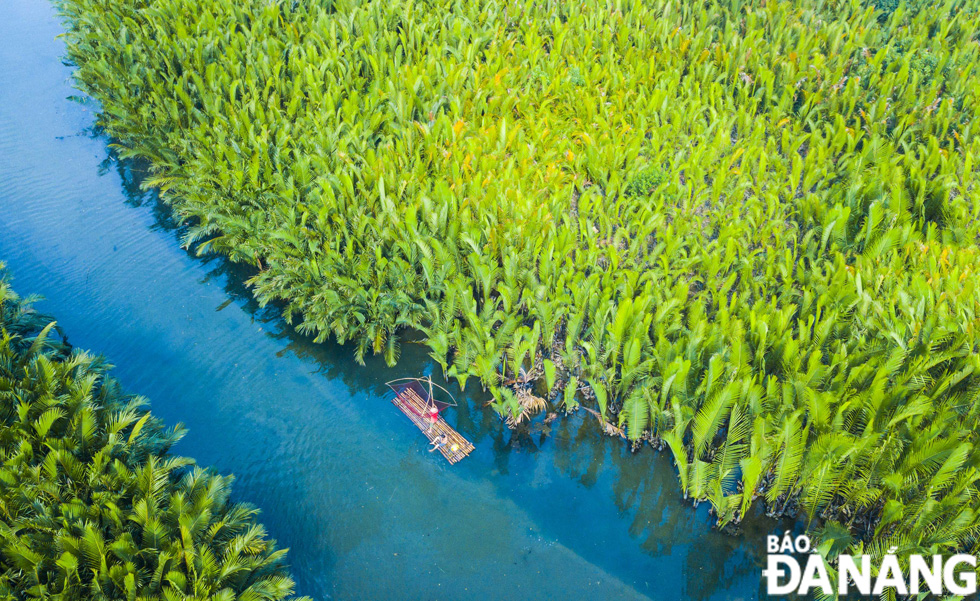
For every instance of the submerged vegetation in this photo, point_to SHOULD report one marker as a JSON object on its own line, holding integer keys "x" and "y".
{"x": 93, "y": 505}
{"x": 744, "y": 232}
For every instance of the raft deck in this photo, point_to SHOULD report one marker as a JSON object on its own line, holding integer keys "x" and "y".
{"x": 414, "y": 407}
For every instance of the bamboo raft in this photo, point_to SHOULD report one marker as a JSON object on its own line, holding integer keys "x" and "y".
{"x": 415, "y": 407}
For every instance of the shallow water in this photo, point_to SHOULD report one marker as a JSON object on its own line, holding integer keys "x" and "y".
{"x": 341, "y": 477}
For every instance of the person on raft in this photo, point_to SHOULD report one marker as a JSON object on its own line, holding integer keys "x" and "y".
{"x": 438, "y": 442}
{"x": 433, "y": 416}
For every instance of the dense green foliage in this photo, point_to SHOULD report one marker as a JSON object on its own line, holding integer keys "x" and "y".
{"x": 746, "y": 231}
{"x": 91, "y": 504}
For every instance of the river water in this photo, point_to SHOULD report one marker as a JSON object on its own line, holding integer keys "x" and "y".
{"x": 340, "y": 475}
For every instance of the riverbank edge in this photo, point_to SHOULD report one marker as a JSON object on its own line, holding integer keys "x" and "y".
{"x": 121, "y": 441}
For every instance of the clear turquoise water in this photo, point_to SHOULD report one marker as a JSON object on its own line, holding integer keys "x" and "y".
{"x": 341, "y": 477}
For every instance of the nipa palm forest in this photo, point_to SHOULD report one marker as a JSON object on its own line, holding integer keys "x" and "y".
{"x": 742, "y": 232}
{"x": 93, "y": 506}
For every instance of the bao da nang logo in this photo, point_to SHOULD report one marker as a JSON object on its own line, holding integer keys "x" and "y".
{"x": 787, "y": 573}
